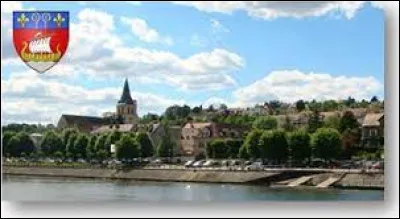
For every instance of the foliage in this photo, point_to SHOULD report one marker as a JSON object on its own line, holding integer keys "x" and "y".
{"x": 51, "y": 143}
{"x": 274, "y": 146}
{"x": 265, "y": 123}
{"x": 146, "y": 147}
{"x": 348, "y": 121}
{"x": 326, "y": 143}
{"x": 127, "y": 148}
{"x": 300, "y": 105}
{"x": 299, "y": 144}
{"x": 251, "y": 143}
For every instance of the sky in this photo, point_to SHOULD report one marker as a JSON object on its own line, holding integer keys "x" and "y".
{"x": 237, "y": 53}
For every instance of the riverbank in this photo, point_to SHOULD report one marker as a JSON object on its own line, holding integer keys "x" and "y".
{"x": 283, "y": 178}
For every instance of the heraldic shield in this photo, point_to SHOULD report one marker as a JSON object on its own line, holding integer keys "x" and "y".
{"x": 41, "y": 37}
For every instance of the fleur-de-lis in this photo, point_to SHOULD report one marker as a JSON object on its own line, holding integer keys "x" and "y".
{"x": 59, "y": 19}
{"x": 22, "y": 19}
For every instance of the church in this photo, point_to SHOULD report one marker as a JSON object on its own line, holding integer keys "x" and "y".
{"x": 124, "y": 119}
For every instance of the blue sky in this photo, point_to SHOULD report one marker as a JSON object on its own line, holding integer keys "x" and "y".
{"x": 199, "y": 53}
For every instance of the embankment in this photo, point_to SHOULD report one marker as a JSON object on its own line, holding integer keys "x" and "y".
{"x": 348, "y": 180}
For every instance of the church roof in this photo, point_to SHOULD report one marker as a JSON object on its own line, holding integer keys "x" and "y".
{"x": 84, "y": 123}
{"x": 126, "y": 94}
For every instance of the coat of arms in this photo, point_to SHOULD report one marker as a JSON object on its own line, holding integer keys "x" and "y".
{"x": 41, "y": 37}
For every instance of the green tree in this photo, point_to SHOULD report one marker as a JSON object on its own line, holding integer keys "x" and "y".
{"x": 314, "y": 122}
{"x": 91, "y": 147}
{"x": 146, "y": 147}
{"x": 374, "y": 99}
{"x": 348, "y": 121}
{"x": 210, "y": 150}
{"x": 349, "y": 102}
{"x": 332, "y": 121}
{"x": 59, "y": 154}
{"x": 80, "y": 145}
{"x": 101, "y": 143}
{"x": 274, "y": 145}
{"x": 299, "y": 145}
{"x": 6, "y": 137}
{"x": 71, "y": 145}
{"x": 21, "y": 143}
{"x": 66, "y": 135}
{"x": 51, "y": 143}
{"x": 300, "y": 105}
{"x": 243, "y": 153}
{"x": 315, "y": 106}
{"x": 350, "y": 141}
{"x": 101, "y": 155}
{"x": 233, "y": 147}
{"x": 329, "y": 105}
{"x": 219, "y": 149}
{"x": 127, "y": 148}
{"x": 165, "y": 147}
{"x": 326, "y": 143}
{"x": 287, "y": 125}
{"x": 112, "y": 138}
{"x": 251, "y": 143}
{"x": 265, "y": 123}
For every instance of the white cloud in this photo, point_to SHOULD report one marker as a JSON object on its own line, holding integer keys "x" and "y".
{"x": 292, "y": 85}
{"x": 28, "y": 97}
{"x": 97, "y": 51}
{"x": 274, "y": 9}
{"x": 141, "y": 29}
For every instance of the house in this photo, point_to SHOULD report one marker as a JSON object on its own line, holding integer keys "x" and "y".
{"x": 195, "y": 136}
{"x": 372, "y": 133}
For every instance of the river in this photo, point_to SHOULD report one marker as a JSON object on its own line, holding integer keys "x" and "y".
{"x": 28, "y": 188}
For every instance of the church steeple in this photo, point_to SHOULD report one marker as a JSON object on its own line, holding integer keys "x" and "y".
{"x": 126, "y": 107}
{"x": 126, "y": 94}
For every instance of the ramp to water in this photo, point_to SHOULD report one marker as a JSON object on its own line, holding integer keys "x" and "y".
{"x": 299, "y": 181}
{"x": 330, "y": 181}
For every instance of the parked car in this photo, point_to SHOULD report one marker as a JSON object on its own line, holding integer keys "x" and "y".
{"x": 247, "y": 163}
{"x": 209, "y": 163}
{"x": 199, "y": 163}
{"x": 234, "y": 163}
{"x": 225, "y": 163}
{"x": 255, "y": 166}
{"x": 189, "y": 163}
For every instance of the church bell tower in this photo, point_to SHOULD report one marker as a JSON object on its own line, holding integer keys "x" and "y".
{"x": 126, "y": 107}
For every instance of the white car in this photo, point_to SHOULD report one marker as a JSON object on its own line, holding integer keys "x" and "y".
{"x": 189, "y": 163}
{"x": 255, "y": 166}
{"x": 199, "y": 163}
{"x": 209, "y": 163}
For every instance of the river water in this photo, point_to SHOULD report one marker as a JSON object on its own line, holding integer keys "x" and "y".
{"x": 28, "y": 188}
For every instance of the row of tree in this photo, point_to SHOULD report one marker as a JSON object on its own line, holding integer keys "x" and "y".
{"x": 278, "y": 146}
{"x": 72, "y": 144}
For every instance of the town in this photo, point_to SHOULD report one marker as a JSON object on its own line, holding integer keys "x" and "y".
{"x": 329, "y": 134}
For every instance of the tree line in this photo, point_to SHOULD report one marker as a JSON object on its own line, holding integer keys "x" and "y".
{"x": 72, "y": 144}
{"x": 332, "y": 138}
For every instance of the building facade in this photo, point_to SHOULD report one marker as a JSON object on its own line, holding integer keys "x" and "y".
{"x": 372, "y": 133}
{"x": 196, "y": 136}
